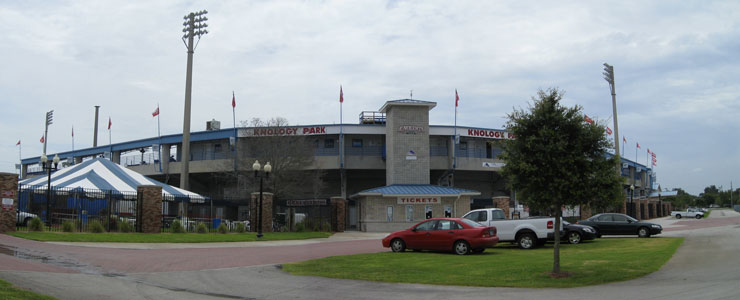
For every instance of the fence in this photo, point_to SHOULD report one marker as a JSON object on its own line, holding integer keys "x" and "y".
{"x": 212, "y": 213}
{"x": 313, "y": 214}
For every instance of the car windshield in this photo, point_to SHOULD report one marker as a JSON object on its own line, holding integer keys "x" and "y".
{"x": 631, "y": 219}
{"x": 471, "y": 223}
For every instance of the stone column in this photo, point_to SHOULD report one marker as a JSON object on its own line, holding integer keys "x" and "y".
{"x": 266, "y": 212}
{"x": 502, "y": 202}
{"x": 149, "y": 209}
{"x": 8, "y": 201}
{"x": 338, "y": 214}
{"x": 116, "y": 157}
{"x": 585, "y": 212}
{"x": 165, "y": 158}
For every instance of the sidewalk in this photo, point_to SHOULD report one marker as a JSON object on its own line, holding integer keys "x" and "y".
{"x": 337, "y": 237}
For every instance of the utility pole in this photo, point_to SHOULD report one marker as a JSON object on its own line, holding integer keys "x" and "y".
{"x": 195, "y": 24}
{"x": 49, "y": 119}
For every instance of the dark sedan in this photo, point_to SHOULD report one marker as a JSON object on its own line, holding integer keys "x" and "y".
{"x": 575, "y": 233}
{"x": 620, "y": 224}
{"x": 461, "y": 236}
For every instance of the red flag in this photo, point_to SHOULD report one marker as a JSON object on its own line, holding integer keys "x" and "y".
{"x": 457, "y": 98}
{"x": 42, "y": 139}
{"x": 109, "y": 123}
{"x": 233, "y": 100}
{"x": 73, "y": 131}
{"x": 341, "y": 95}
{"x": 608, "y": 131}
{"x": 18, "y": 143}
{"x": 624, "y": 139}
{"x": 588, "y": 120}
{"x": 638, "y": 145}
{"x": 648, "y": 150}
{"x": 156, "y": 112}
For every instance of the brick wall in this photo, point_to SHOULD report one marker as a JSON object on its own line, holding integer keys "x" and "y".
{"x": 150, "y": 208}
{"x": 266, "y": 212}
{"x": 502, "y": 203}
{"x": 399, "y": 169}
{"x": 8, "y": 190}
{"x": 374, "y": 212}
{"x": 338, "y": 214}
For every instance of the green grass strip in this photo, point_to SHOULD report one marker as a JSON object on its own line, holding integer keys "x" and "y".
{"x": 8, "y": 292}
{"x": 166, "y": 237}
{"x": 596, "y": 262}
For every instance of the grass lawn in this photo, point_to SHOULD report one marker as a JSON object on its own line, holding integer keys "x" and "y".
{"x": 593, "y": 262}
{"x": 166, "y": 237}
{"x": 7, "y": 291}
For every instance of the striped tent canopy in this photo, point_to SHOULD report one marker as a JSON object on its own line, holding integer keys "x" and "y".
{"x": 101, "y": 174}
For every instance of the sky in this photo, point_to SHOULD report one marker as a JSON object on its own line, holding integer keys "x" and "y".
{"x": 676, "y": 65}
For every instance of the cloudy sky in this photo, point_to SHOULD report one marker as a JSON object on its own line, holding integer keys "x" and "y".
{"x": 676, "y": 65}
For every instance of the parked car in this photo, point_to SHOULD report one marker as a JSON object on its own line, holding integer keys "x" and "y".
{"x": 461, "y": 236}
{"x": 689, "y": 213}
{"x": 22, "y": 218}
{"x": 527, "y": 233}
{"x": 620, "y": 224}
{"x": 575, "y": 233}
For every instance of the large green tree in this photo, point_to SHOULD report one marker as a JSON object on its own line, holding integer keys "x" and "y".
{"x": 556, "y": 160}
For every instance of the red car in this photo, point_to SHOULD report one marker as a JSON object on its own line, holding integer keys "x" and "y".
{"x": 461, "y": 236}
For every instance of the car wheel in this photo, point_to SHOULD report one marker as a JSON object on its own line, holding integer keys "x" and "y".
{"x": 526, "y": 240}
{"x": 461, "y": 247}
{"x": 397, "y": 245}
{"x": 574, "y": 237}
{"x": 643, "y": 232}
{"x": 678, "y": 216}
{"x": 699, "y": 217}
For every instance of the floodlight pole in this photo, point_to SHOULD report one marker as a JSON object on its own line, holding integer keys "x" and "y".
{"x": 49, "y": 119}
{"x": 194, "y": 26}
{"x": 609, "y": 77}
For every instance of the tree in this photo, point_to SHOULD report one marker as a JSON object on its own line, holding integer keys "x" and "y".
{"x": 556, "y": 159}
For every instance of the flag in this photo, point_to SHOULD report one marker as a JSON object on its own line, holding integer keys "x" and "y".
{"x": 18, "y": 143}
{"x": 109, "y": 123}
{"x": 42, "y": 139}
{"x": 638, "y": 145}
{"x": 73, "y": 131}
{"x": 233, "y": 100}
{"x": 588, "y": 120}
{"x": 156, "y": 112}
{"x": 624, "y": 139}
{"x": 648, "y": 150}
{"x": 608, "y": 131}
{"x": 457, "y": 98}
{"x": 341, "y": 95}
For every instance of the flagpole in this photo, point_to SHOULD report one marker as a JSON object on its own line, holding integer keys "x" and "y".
{"x": 73, "y": 140}
{"x": 341, "y": 129}
{"x": 233, "y": 114}
{"x": 20, "y": 159}
{"x": 159, "y": 139}
{"x": 454, "y": 138}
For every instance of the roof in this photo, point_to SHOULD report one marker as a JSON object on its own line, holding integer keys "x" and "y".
{"x": 416, "y": 189}
{"x": 103, "y": 174}
{"x": 407, "y": 102}
{"x": 664, "y": 194}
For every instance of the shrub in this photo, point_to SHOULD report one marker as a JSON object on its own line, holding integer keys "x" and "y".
{"x": 114, "y": 223}
{"x": 126, "y": 227}
{"x": 222, "y": 228}
{"x": 202, "y": 228}
{"x": 177, "y": 227}
{"x": 68, "y": 226}
{"x": 36, "y": 224}
{"x": 300, "y": 227}
{"x": 95, "y": 226}
{"x": 326, "y": 227}
{"x": 240, "y": 228}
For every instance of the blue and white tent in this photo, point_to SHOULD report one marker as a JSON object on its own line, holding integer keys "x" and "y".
{"x": 101, "y": 174}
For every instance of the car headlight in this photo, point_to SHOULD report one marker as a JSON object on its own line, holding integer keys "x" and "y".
{"x": 656, "y": 226}
{"x": 589, "y": 230}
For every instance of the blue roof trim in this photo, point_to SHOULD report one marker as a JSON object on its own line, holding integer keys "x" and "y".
{"x": 417, "y": 189}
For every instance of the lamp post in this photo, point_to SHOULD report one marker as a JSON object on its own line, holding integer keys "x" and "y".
{"x": 267, "y": 169}
{"x": 632, "y": 203}
{"x": 49, "y": 168}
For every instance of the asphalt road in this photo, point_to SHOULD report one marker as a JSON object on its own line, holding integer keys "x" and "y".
{"x": 704, "y": 267}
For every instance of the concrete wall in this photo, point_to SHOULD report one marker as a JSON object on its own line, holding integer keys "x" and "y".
{"x": 401, "y": 169}
{"x": 373, "y": 212}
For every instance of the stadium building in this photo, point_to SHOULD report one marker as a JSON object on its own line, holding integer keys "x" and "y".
{"x": 393, "y": 167}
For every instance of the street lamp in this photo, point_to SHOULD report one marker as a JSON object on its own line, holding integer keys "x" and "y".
{"x": 49, "y": 168}
{"x": 632, "y": 203}
{"x": 267, "y": 169}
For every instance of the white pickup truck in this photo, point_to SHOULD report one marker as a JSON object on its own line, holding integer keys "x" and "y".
{"x": 689, "y": 213}
{"x": 527, "y": 233}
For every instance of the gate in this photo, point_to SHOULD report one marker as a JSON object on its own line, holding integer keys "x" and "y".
{"x": 313, "y": 214}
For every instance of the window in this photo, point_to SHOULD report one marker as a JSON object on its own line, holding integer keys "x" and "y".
{"x": 428, "y": 211}
{"x": 498, "y": 215}
{"x": 445, "y": 225}
{"x": 389, "y": 213}
{"x": 329, "y": 143}
{"x": 426, "y": 226}
{"x": 489, "y": 150}
{"x": 463, "y": 146}
{"x": 217, "y": 148}
{"x": 605, "y": 218}
{"x": 478, "y": 216}
{"x": 619, "y": 218}
{"x": 409, "y": 213}
{"x": 357, "y": 143}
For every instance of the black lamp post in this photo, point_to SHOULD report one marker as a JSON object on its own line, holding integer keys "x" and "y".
{"x": 49, "y": 168}
{"x": 267, "y": 169}
{"x": 632, "y": 203}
